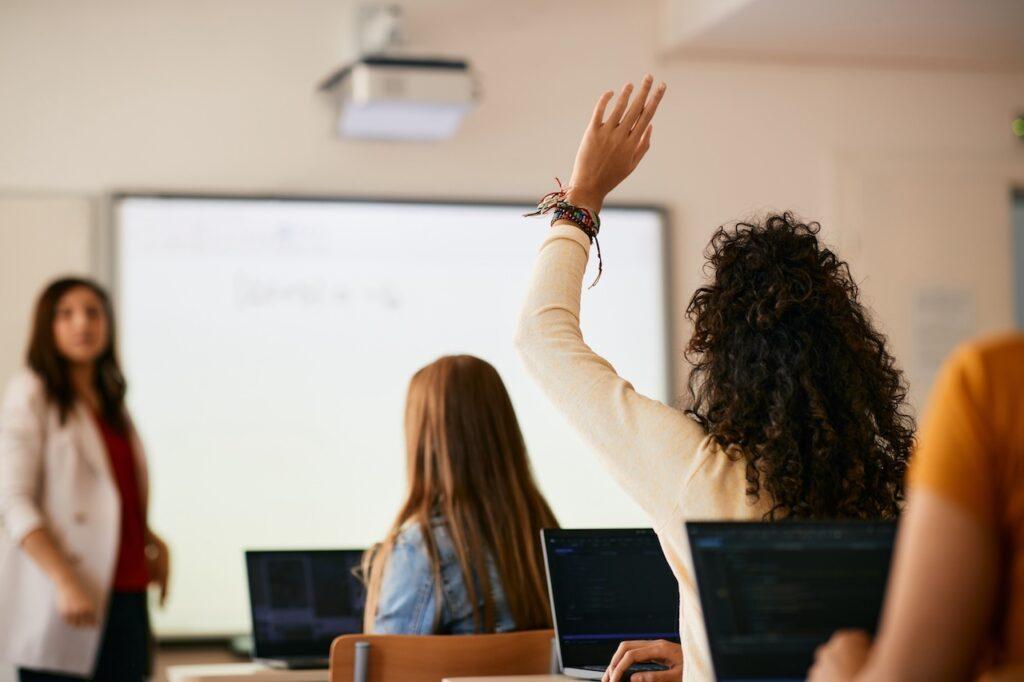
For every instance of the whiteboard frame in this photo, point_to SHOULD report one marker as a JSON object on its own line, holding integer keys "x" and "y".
{"x": 109, "y": 270}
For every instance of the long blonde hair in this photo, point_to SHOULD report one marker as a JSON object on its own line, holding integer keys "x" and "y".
{"x": 467, "y": 464}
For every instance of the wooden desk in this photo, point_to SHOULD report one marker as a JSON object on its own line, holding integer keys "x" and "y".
{"x": 241, "y": 672}
{"x": 511, "y": 678}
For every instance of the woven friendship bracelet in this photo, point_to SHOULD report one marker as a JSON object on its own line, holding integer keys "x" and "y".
{"x": 583, "y": 218}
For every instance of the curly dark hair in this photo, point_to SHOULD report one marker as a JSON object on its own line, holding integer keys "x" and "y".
{"x": 790, "y": 375}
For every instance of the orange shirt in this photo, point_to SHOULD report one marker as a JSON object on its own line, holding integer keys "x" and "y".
{"x": 971, "y": 452}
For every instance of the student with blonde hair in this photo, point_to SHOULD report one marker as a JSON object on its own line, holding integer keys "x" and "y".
{"x": 463, "y": 555}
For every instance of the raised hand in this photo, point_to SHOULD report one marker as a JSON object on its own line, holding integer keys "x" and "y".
{"x": 612, "y": 146}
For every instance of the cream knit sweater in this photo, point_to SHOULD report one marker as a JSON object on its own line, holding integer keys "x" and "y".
{"x": 661, "y": 458}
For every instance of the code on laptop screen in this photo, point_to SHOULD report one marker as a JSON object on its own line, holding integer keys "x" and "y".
{"x": 609, "y": 586}
{"x": 302, "y": 600}
{"x": 772, "y": 593}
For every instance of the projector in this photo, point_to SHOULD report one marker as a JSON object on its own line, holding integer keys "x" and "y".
{"x": 401, "y": 98}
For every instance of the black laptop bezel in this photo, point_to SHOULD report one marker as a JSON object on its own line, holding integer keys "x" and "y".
{"x": 267, "y": 651}
{"x": 695, "y": 529}
{"x": 556, "y": 533}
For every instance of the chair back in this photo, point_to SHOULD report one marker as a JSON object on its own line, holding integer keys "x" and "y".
{"x": 431, "y": 658}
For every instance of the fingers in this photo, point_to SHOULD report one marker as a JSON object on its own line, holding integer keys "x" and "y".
{"x": 671, "y": 675}
{"x": 643, "y": 146}
{"x": 651, "y": 651}
{"x": 627, "y": 659}
{"x": 620, "y": 105}
{"x": 636, "y": 108}
{"x": 625, "y": 647}
{"x": 651, "y": 106}
{"x": 163, "y": 592}
{"x": 670, "y": 653}
{"x": 843, "y": 639}
{"x": 602, "y": 103}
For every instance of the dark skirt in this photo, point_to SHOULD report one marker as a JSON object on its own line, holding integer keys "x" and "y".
{"x": 124, "y": 646}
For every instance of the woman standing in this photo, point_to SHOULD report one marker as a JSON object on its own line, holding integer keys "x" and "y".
{"x": 77, "y": 555}
{"x": 464, "y": 553}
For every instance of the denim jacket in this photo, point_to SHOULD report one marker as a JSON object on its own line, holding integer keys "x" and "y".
{"x": 408, "y": 596}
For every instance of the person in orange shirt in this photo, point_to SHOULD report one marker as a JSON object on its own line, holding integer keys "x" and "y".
{"x": 955, "y": 605}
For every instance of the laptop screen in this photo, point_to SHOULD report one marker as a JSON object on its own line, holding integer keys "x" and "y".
{"x": 608, "y": 586}
{"x": 773, "y": 592}
{"x": 302, "y": 600}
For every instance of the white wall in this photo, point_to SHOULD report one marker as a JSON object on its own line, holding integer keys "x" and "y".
{"x": 219, "y": 96}
{"x": 41, "y": 237}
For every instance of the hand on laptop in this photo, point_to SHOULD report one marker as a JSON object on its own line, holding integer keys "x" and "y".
{"x": 841, "y": 658}
{"x": 646, "y": 651}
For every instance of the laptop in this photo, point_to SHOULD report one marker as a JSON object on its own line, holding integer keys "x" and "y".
{"x": 771, "y": 593}
{"x": 300, "y": 601}
{"x": 607, "y": 586}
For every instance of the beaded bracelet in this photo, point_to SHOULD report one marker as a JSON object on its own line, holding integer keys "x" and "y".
{"x": 583, "y": 218}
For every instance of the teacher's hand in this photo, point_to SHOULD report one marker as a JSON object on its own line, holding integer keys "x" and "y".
{"x": 612, "y": 146}
{"x": 158, "y": 563}
{"x": 74, "y": 603}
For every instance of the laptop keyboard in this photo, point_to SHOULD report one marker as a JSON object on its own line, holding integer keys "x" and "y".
{"x": 635, "y": 668}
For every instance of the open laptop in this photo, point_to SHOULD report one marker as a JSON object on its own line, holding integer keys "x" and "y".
{"x": 607, "y": 586}
{"x": 771, "y": 593}
{"x": 301, "y": 600}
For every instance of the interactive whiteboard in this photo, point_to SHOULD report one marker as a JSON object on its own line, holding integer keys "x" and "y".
{"x": 268, "y": 344}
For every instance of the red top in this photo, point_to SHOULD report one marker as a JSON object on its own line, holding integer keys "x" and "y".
{"x": 131, "y": 574}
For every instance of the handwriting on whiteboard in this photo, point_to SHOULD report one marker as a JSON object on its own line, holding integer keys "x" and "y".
{"x": 256, "y": 291}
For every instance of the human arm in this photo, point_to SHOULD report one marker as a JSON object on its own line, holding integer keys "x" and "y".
{"x": 22, "y": 427}
{"x": 74, "y": 602}
{"x": 639, "y": 439}
{"x": 941, "y": 593}
{"x": 940, "y": 600}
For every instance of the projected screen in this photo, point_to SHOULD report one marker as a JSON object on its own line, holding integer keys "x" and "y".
{"x": 268, "y": 345}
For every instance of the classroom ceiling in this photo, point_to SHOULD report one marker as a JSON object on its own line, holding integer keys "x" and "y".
{"x": 940, "y": 33}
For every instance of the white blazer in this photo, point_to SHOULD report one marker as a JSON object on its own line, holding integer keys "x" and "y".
{"x": 56, "y": 476}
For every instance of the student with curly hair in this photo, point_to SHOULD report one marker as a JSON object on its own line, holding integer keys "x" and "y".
{"x": 797, "y": 409}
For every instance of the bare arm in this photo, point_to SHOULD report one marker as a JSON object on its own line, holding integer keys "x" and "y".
{"x": 939, "y": 603}
{"x": 41, "y": 548}
{"x": 940, "y": 596}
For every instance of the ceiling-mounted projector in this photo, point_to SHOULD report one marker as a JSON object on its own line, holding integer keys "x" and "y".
{"x": 401, "y": 98}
